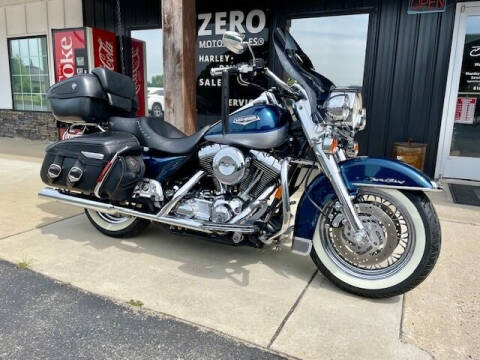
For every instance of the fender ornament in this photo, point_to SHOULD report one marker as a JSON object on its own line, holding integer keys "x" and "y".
{"x": 387, "y": 181}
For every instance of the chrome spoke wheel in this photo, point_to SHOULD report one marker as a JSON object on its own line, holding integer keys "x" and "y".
{"x": 390, "y": 232}
{"x": 114, "y": 218}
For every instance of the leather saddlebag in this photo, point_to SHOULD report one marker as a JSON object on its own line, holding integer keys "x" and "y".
{"x": 107, "y": 164}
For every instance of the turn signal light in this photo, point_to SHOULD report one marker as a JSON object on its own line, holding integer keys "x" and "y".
{"x": 334, "y": 146}
{"x": 278, "y": 193}
{"x": 330, "y": 145}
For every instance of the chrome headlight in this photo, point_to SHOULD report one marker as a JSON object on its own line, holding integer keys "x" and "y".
{"x": 345, "y": 106}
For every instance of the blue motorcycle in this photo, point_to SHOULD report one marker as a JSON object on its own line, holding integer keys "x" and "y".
{"x": 366, "y": 222}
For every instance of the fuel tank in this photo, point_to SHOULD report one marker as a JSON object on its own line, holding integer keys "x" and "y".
{"x": 256, "y": 127}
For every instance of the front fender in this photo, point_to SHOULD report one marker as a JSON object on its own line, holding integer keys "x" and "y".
{"x": 361, "y": 171}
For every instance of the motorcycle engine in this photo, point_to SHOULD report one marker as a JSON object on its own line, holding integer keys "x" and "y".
{"x": 229, "y": 165}
{"x": 239, "y": 178}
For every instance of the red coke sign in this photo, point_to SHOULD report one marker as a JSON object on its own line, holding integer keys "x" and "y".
{"x": 79, "y": 50}
{"x": 70, "y": 53}
{"x": 104, "y": 45}
{"x": 139, "y": 74}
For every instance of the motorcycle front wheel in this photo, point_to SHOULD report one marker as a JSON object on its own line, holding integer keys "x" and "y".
{"x": 403, "y": 247}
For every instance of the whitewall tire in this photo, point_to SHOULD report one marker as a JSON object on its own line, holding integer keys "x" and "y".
{"x": 116, "y": 226}
{"x": 422, "y": 246}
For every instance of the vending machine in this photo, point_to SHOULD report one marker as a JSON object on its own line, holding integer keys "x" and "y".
{"x": 79, "y": 50}
{"x": 139, "y": 74}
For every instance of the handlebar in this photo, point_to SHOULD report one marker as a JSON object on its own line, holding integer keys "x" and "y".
{"x": 282, "y": 84}
{"x": 247, "y": 68}
{"x": 240, "y": 69}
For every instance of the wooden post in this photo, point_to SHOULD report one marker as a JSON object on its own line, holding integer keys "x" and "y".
{"x": 179, "y": 39}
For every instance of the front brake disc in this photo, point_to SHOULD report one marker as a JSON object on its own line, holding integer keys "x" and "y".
{"x": 382, "y": 235}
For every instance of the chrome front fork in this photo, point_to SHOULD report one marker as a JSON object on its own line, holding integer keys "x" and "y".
{"x": 331, "y": 170}
{"x": 315, "y": 134}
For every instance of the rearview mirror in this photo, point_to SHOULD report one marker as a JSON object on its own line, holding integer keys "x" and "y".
{"x": 233, "y": 41}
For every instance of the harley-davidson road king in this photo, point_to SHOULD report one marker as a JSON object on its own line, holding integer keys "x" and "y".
{"x": 366, "y": 222}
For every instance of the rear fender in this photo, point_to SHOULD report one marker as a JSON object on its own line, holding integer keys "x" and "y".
{"x": 358, "y": 172}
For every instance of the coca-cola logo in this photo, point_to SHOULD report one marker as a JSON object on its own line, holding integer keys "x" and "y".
{"x": 67, "y": 66}
{"x": 72, "y": 133}
{"x": 106, "y": 54}
{"x": 136, "y": 75}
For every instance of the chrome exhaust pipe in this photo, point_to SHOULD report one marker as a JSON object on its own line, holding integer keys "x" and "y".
{"x": 206, "y": 227}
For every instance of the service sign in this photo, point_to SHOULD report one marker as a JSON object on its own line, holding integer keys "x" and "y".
{"x": 70, "y": 53}
{"x": 211, "y": 53}
{"x": 426, "y": 6}
{"x": 104, "y": 44}
{"x": 139, "y": 74}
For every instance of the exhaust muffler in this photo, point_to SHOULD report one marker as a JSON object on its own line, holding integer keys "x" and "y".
{"x": 205, "y": 227}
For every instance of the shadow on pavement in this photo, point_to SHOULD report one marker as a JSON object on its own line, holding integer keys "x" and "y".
{"x": 57, "y": 211}
{"x": 198, "y": 256}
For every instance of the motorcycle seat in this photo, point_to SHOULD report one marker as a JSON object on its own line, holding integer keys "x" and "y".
{"x": 157, "y": 134}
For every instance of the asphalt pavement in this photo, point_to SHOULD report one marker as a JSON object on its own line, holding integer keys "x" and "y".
{"x": 44, "y": 319}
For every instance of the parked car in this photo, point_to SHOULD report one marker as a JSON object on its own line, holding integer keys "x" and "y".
{"x": 156, "y": 101}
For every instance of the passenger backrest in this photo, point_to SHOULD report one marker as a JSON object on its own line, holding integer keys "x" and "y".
{"x": 119, "y": 88}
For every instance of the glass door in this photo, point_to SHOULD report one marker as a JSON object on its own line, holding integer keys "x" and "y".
{"x": 461, "y": 147}
{"x": 153, "y": 38}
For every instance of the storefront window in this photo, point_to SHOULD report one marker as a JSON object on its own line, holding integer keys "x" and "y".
{"x": 154, "y": 45}
{"x": 336, "y": 45}
{"x": 29, "y": 73}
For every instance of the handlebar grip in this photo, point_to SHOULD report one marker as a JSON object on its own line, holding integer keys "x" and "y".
{"x": 218, "y": 71}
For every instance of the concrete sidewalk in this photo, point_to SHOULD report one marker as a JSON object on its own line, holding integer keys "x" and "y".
{"x": 274, "y": 299}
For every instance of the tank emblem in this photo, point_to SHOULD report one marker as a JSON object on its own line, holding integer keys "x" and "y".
{"x": 245, "y": 120}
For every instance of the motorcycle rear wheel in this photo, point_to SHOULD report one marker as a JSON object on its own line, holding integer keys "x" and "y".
{"x": 116, "y": 226}
{"x": 406, "y": 238}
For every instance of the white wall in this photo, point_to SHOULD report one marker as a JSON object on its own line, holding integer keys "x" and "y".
{"x": 29, "y": 18}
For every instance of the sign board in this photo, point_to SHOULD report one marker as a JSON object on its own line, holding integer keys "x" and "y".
{"x": 426, "y": 6}
{"x": 102, "y": 47}
{"x": 211, "y": 53}
{"x": 470, "y": 75}
{"x": 139, "y": 74}
{"x": 465, "y": 110}
{"x": 70, "y": 53}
